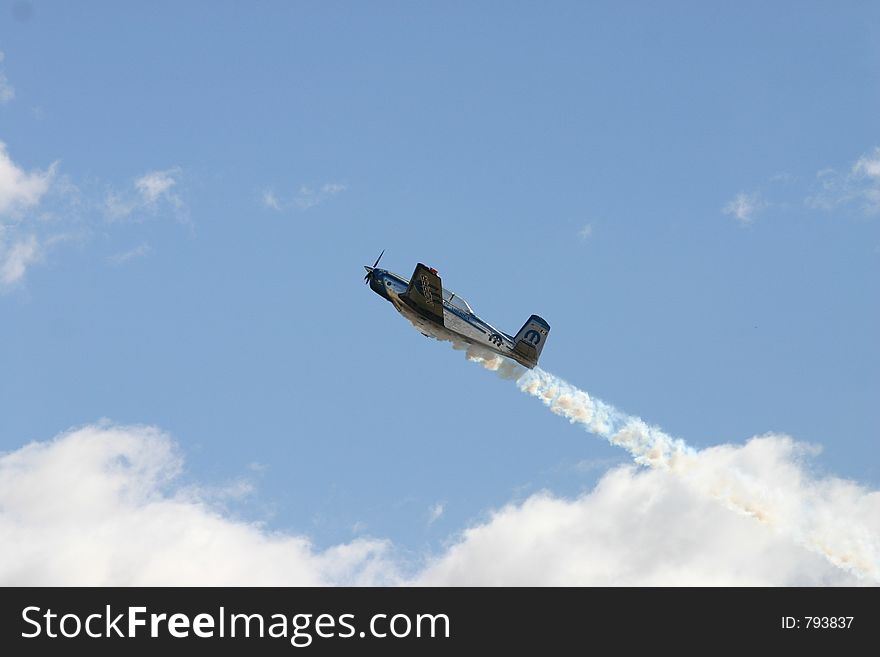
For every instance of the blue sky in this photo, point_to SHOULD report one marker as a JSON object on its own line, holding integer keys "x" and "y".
{"x": 688, "y": 192}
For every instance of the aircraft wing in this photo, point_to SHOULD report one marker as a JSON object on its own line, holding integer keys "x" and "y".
{"x": 425, "y": 293}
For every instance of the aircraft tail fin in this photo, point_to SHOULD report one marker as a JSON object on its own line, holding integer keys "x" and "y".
{"x": 530, "y": 340}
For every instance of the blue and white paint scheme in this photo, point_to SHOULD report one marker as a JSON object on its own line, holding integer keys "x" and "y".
{"x": 442, "y": 314}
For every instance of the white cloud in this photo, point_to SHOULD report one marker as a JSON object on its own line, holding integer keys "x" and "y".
{"x": 20, "y": 190}
{"x": 7, "y": 91}
{"x": 861, "y": 185}
{"x": 834, "y": 189}
{"x": 150, "y": 193}
{"x": 309, "y": 197}
{"x": 857, "y": 186}
{"x": 782, "y": 177}
{"x": 155, "y": 185}
{"x": 866, "y": 173}
{"x": 646, "y": 528}
{"x": 586, "y": 232}
{"x": 118, "y": 207}
{"x": 271, "y": 201}
{"x": 137, "y": 252}
{"x": 305, "y": 198}
{"x": 868, "y": 166}
{"x": 101, "y": 505}
{"x": 16, "y": 257}
{"x": 743, "y": 207}
{"x": 330, "y": 189}
{"x": 41, "y": 209}
{"x": 435, "y": 512}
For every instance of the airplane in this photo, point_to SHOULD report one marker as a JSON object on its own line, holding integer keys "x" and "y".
{"x": 442, "y": 314}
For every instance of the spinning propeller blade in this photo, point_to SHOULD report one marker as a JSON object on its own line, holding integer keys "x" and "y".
{"x": 370, "y": 269}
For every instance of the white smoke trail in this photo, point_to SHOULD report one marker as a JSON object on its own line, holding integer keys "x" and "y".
{"x": 812, "y": 517}
{"x": 648, "y": 445}
{"x": 835, "y": 518}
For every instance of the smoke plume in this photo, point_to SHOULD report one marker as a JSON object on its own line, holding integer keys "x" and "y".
{"x": 835, "y": 518}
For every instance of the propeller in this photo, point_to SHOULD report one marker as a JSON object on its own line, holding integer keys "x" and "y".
{"x": 370, "y": 269}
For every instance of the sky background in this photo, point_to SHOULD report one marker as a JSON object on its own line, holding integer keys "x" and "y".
{"x": 688, "y": 192}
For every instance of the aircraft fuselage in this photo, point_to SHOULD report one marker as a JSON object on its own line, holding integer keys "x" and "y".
{"x": 459, "y": 322}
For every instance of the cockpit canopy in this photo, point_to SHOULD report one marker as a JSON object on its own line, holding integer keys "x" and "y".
{"x": 456, "y": 301}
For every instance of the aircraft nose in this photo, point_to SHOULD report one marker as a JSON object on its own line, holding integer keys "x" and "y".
{"x": 373, "y": 276}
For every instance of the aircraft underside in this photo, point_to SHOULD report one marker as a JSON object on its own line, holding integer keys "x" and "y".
{"x": 458, "y": 331}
